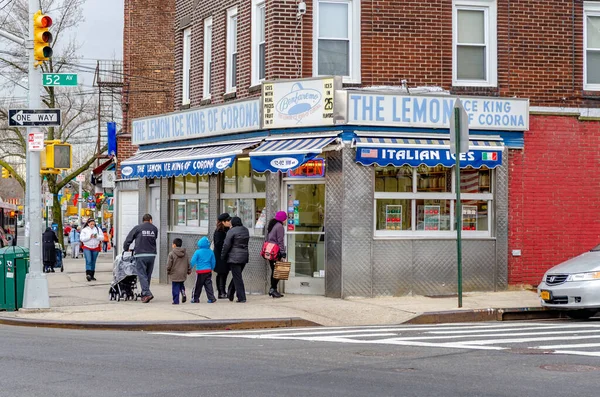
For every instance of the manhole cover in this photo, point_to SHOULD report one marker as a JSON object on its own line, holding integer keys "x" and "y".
{"x": 570, "y": 368}
{"x": 530, "y": 351}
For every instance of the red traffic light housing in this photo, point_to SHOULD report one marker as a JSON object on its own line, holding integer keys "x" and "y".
{"x": 42, "y": 38}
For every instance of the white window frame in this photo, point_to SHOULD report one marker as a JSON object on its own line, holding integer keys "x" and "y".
{"x": 207, "y": 61}
{"x": 256, "y": 29}
{"x": 589, "y": 9}
{"x": 231, "y": 14}
{"x": 354, "y": 65}
{"x": 186, "y": 65}
{"x": 491, "y": 39}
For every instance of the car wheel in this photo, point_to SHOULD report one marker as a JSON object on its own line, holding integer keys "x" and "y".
{"x": 581, "y": 314}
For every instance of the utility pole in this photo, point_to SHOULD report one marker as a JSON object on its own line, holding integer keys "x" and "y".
{"x": 36, "y": 285}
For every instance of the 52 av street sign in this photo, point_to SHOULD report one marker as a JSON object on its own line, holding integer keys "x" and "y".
{"x": 34, "y": 117}
{"x": 59, "y": 79}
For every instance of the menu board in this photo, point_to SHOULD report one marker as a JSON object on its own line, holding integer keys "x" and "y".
{"x": 469, "y": 217}
{"x": 393, "y": 217}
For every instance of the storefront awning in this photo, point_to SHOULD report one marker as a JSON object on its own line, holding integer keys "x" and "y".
{"x": 384, "y": 151}
{"x": 183, "y": 161}
{"x": 287, "y": 154}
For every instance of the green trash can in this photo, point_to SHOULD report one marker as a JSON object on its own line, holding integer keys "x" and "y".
{"x": 14, "y": 266}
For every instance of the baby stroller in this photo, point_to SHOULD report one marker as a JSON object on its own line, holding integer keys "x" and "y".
{"x": 124, "y": 282}
{"x": 59, "y": 257}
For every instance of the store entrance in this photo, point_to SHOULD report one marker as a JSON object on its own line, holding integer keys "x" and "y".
{"x": 305, "y": 234}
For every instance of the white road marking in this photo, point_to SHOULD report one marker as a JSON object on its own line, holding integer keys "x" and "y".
{"x": 578, "y": 353}
{"x": 569, "y": 346}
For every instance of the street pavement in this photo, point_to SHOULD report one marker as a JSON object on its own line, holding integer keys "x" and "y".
{"x": 74, "y": 300}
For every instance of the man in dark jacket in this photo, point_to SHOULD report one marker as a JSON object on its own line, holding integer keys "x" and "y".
{"x": 145, "y": 236}
{"x": 49, "y": 250}
{"x": 235, "y": 254}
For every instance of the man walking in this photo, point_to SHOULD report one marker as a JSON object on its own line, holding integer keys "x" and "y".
{"x": 145, "y": 236}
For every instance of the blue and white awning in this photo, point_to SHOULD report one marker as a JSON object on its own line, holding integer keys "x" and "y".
{"x": 183, "y": 161}
{"x": 384, "y": 151}
{"x": 287, "y": 154}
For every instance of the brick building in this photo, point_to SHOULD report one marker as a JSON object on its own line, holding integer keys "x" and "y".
{"x": 543, "y": 51}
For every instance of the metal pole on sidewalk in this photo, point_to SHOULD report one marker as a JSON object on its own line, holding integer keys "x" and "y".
{"x": 36, "y": 285}
{"x": 457, "y": 127}
{"x": 79, "y": 203}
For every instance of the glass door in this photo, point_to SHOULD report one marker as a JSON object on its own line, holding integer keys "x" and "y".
{"x": 305, "y": 233}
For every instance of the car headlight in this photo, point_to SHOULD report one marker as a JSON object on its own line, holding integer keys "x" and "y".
{"x": 584, "y": 276}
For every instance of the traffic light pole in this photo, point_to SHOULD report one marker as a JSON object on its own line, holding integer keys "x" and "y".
{"x": 36, "y": 285}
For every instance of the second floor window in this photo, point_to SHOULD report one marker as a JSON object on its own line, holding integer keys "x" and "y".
{"x": 592, "y": 46}
{"x": 207, "y": 58}
{"x": 231, "y": 50}
{"x": 474, "y": 38}
{"x": 258, "y": 41}
{"x": 187, "y": 62}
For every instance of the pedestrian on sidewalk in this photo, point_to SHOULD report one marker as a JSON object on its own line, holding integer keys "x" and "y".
{"x": 204, "y": 263}
{"x": 105, "y": 240}
{"x": 235, "y": 254}
{"x": 178, "y": 268}
{"x": 275, "y": 234}
{"x": 221, "y": 268}
{"x": 75, "y": 238}
{"x": 144, "y": 235}
{"x": 49, "y": 250}
{"x": 91, "y": 237}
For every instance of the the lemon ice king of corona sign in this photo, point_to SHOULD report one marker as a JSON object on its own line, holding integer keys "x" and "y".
{"x": 299, "y": 103}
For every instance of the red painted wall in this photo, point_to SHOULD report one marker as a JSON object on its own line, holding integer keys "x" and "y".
{"x": 554, "y": 195}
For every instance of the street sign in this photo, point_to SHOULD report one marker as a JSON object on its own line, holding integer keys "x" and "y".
{"x": 34, "y": 117}
{"x": 59, "y": 79}
{"x": 460, "y": 120}
{"x": 36, "y": 141}
{"x": 80, "y": 178}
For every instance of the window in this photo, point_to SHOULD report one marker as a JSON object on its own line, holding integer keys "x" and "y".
{"x": 243, "y": 194}
{"x": 336, "y": 45}
{"x": 591, "y": 26}
{"x": 189, "y": 204}
{"x": 187, "y": 62}
{"x": 231, "y": 68}
{"x": 258, "y": 41}
{"x": 207, "y": 77}
{"x": 421, "y": 201}
{"x": 474, "y": 43}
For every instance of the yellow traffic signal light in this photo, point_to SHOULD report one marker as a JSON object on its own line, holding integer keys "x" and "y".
{"x": 5, "y": 173}
{"x": 42, "y": 38}
{"x": 57, "y": 156}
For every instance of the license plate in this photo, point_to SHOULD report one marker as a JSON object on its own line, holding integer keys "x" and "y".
{"x": 545, "y": 295}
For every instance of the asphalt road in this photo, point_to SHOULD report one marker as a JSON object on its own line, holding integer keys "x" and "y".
{"x": 53, "y": 362}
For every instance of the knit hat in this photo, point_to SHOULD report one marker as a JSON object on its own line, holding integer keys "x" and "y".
{"x": 224, "y": 217}
{"x": 281, "y": 216}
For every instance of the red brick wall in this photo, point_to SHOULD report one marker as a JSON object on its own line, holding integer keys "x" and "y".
{"x": 553, "y": 195}
{"x": 147, "y": 64}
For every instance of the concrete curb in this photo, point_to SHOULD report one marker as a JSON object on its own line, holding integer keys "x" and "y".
{"x": 463, "y": 316}
{"x": 203, "y": 325}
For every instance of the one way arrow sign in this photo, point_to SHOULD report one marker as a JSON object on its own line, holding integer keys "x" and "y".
{"x": 34, "y": 117}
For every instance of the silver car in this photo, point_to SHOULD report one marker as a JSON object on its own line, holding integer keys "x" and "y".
{"x": 574, "y": 285}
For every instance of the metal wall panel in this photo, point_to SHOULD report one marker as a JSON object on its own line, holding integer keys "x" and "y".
{"x": 357, "y": 230}
{"x": 334, "y": 195}
{"x": 163, "y": 227}
{"x": 479, "y": 265}
{"x": 501, "y": 282}
{"x": 434, "y": 263}
{"x": 392, "y": 267}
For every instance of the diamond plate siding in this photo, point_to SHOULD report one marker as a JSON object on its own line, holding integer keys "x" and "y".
{"x": 357, "y": 226}
{"x": 434, "y": 263}
{"x": 479, "y": 265}
{"x": 273, "y": 192}
{"x": 392, "y": 267}
{"x": 502, "y": 224}
{"x": 334, "y": 195}
{"x": 143, "y": 196}
{"x": 214, "y": 207}
{"x": 255, "y": 272}
{"x": 163, "y": 227}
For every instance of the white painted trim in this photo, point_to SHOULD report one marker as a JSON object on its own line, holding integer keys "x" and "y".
{"x": 354, "y": 35}
{"x": 255, "y": 28}
{"x": 581, "y": 112}
{"x": 186, "y": 66}
{"x": 229, "y": 87}
{"x": 589, "y": 9}
{"x": 491, "y": 40}
{"x": 206, "y": 77}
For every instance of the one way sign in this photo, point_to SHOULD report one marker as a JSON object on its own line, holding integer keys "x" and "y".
{"x": 34, "y": 117}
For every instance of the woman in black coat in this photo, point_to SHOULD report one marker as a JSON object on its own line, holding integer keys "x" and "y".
{"x": 221, "y": 267}
{"x": 235, "y": 253}
{"x": 49, "y": 250}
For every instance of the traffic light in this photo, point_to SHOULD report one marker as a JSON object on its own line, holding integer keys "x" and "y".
{"x": 5, "y": 173}
{"x": 57, "y": 156}
{"x": 42, "y": 38}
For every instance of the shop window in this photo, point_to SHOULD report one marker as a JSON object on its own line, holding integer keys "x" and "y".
{"x": 592, "y": 45}
{"x": 427, "y": 206}
{"x": 189, "y": 204}
{"x": 474, "y": 43}
{"x": 337, "y": 39}
{"x": 243, "y": 194}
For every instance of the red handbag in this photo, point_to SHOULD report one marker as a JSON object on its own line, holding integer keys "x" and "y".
{"x": 270, "y": 251}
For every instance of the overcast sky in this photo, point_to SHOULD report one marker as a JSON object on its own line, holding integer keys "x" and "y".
{"x": 101, "y": 35}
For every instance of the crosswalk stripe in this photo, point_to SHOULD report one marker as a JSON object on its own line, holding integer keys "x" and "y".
{"x": 569, "y": 346}
{"x": 469, "y": 331}
{"x": 524, "y": 340}
{"x": 578, "y": 353}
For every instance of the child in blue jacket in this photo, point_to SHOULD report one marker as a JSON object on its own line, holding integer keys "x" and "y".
{"x": 204, "y": 263}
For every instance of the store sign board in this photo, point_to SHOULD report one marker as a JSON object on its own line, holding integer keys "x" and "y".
{"x": 422, "y": 111}
{"x": 430, "y": 157}
{"x": 299, "y": 103}
{"x": 314, "y": 168}
{"x": 198, "y": 123}
{"x": 168, "y": 169}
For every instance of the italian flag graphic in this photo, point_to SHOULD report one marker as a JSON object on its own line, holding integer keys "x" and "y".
{"x": 489, "y": 156}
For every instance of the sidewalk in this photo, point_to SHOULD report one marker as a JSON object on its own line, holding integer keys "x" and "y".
{"x": 75, "y": 301}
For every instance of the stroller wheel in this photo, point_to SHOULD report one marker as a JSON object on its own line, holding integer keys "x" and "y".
{"x": 62, "y": 269}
